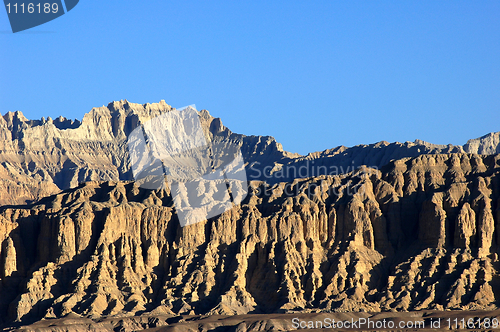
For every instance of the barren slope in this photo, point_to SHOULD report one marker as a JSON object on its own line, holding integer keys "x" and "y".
{"x": 422, "y": 233}
{"x": 43, "y": 157}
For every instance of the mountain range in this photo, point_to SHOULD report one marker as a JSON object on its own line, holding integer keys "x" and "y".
{"x": 43, "y": 157}
{"x": 385, "y": 227}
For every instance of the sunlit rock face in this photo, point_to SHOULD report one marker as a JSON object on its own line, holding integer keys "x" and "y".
{"x": 421, "y": 233}
{"x": 42, "y": 157}
{"x": 379, "y": 227}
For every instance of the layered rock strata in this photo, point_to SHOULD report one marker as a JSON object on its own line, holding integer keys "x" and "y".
{"x": 43, "y": 157}
{"x": 421, "y": 233}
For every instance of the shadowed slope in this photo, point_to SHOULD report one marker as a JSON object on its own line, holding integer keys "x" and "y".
{"x": 420, "y": 233}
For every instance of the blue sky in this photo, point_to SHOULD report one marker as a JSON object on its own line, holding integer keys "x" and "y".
{"x": 313, "y": 74}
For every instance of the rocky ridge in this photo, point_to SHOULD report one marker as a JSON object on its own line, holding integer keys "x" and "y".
{"x": 43, "y": 157}
{"x": 421, "y": 233}
{"x": 343, "y": 159}
{"x": 487, "y": 144}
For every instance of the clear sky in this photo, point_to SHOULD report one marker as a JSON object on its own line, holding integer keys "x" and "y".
{"x": 313, "y": 74}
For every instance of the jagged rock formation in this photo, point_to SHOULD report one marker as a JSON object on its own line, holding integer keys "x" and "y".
{"x": 341, "y": 160}
{"x": 43, "y": 157}
{"x": 422, "y": 233}
{"x": 487, "y": 144}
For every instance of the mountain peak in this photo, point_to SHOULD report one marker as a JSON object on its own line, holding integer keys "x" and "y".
{"x": 12, "y": 116}
{"x": 96, "y": 149}
{"x": 487, "y": 144}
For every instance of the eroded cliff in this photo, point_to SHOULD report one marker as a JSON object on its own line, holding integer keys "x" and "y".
{"x": 42, "y": 157}
{"x": 420, "y": 233}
